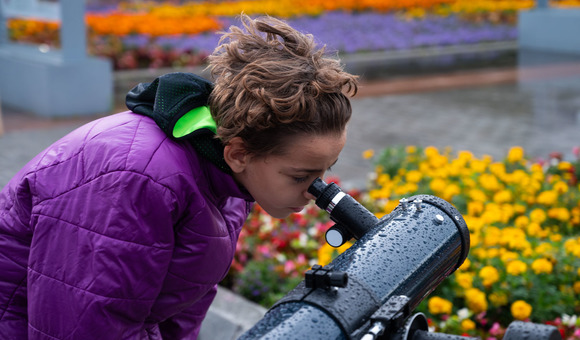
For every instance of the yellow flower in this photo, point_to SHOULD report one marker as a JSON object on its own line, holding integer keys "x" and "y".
{"x": 491, "y": 213}
{"x": 564, "y": 166}
{"x": 561, "y": 187}
{"x": 489, "y": 274}
{"x": 492, "y": 252}
{"x": 431, "y": 151}
{"x": 467, "y": 325}
{"x": 519, "y": 243}
{"x": 390, "y": 206}
{"x": 547, "y": 197}
{"x": 383, "y": 179}
{"x": 492, "y": 236}
{"x": 477, "y": 195}
{"x": 515, "y": 154}
{"x": 478, "y": 166}
{"x": 480, "y": 253}
{"x": 437, "y": 185}
{"x": 542, "y": 266}
{"x": 555, "y": 237}
{"x": 439, "y": 305}
{"x": 561, "y": 214}
{"x": 521, "y": 310}
{"x": 475, "y": 300}
{"x": 538, "y": 216}
{"x": 367, "y": 154}
{"x": 507, "y": 256}
{"x": 326, "y": 253}
{"x": 464, "y": 156}
{"x": 450, "y": 191}
{"x": 464, "y": 280}
{"x": 577, "y": 287}
{"x": 502, "y": 196}
{"x": 413, "y": 176}
{"x": 569, "y": 247}
{"x": 544, "y": 248}
{"x": 474, "y": 208}
{"x": 489, "y": 182}
{"x": 410, "y": 149}
{"x": 534, "y": 229}
{"x": 522, "y": 221}
{"x": 465, "y": 265}
{"x": 516, "y": 267}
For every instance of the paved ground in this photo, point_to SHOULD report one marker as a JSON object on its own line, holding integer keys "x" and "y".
{"x": 485, "y": 112}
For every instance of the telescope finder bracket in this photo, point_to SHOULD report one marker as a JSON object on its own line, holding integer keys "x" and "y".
{"x": 390, "y": 317}
{"x": 325, "y": 278}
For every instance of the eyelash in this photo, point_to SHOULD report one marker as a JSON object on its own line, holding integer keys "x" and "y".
{"x": 304, "y": 179}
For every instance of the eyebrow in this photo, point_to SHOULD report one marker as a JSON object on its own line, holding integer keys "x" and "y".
{"x": 312, "y": 170}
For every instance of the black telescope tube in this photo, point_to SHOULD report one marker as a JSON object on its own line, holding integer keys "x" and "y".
{"x": 408, "y": 253}
{"x": 343, "y": 209}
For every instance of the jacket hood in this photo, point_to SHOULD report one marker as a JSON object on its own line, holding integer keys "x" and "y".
{"x": 178, "y": 103}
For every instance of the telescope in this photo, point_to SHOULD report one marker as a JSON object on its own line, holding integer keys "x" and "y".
{"x": 370, "y": 290}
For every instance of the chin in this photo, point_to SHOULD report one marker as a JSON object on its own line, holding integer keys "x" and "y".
{"x": 279, "y": 214}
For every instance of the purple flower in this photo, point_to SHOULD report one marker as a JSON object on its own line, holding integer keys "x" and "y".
{"x": 361, "y": 31}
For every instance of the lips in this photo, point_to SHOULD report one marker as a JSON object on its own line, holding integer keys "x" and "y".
{"x": 297, "y": 210}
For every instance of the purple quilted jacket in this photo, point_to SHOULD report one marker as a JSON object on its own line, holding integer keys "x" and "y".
{"x": 115, "y": 232}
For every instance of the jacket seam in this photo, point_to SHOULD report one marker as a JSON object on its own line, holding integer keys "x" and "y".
{"x": 43, "y": 333}
{"x": 106, "y": 174}
{"x": 10, "y": 300}
{"x": 133, "y": 141}
{"x": 105, "y": 235}
{"x": 209, "y": 283}
{"x": 35, "y": 170}
{"x": 88, "y": 291}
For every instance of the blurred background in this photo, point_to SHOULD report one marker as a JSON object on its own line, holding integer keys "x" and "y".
{"x": 509, "y": 68}
{"x": 475, "y": 101}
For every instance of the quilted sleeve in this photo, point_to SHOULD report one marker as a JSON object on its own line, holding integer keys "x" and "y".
{"x": 98, "y": 257}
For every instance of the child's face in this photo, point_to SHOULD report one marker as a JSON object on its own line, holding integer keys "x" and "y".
{"x": 279, "y": 183}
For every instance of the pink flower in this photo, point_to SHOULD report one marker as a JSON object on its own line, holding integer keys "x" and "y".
{"x": 576, "y": 151}
{"x": 481, "y": 318}
{"x": 289, "y": 266}
{"x": 262, "y": 249}
{"x": 495, "y": 329}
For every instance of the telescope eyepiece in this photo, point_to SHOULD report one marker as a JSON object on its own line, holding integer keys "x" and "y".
{"x": 352, "y": 219}
{"x": 317, "y": 187}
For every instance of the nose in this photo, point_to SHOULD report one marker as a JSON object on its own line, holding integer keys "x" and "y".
{"x": 308, "y": 195}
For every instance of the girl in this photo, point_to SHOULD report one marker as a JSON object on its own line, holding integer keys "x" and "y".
{"x": 123, "y": 228}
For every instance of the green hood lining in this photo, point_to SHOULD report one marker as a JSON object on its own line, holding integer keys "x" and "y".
{"x": 193, "y": 120}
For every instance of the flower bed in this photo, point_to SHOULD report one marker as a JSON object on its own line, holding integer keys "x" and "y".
{"x": 524, "y": 220}
{"x": 153, "y": 34}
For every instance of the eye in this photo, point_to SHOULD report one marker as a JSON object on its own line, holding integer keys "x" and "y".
{"x": 300, "y": 179}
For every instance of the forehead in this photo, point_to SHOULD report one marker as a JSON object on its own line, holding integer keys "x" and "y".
{"x": 313, "y": 151}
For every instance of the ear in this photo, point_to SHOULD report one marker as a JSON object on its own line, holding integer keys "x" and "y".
{"x": 236, "y": 155}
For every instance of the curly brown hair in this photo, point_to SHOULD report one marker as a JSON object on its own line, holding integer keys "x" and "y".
{"x": 272, "y": 83}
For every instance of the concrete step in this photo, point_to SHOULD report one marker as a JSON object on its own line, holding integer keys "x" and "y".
{"x": 229, "y": 316}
